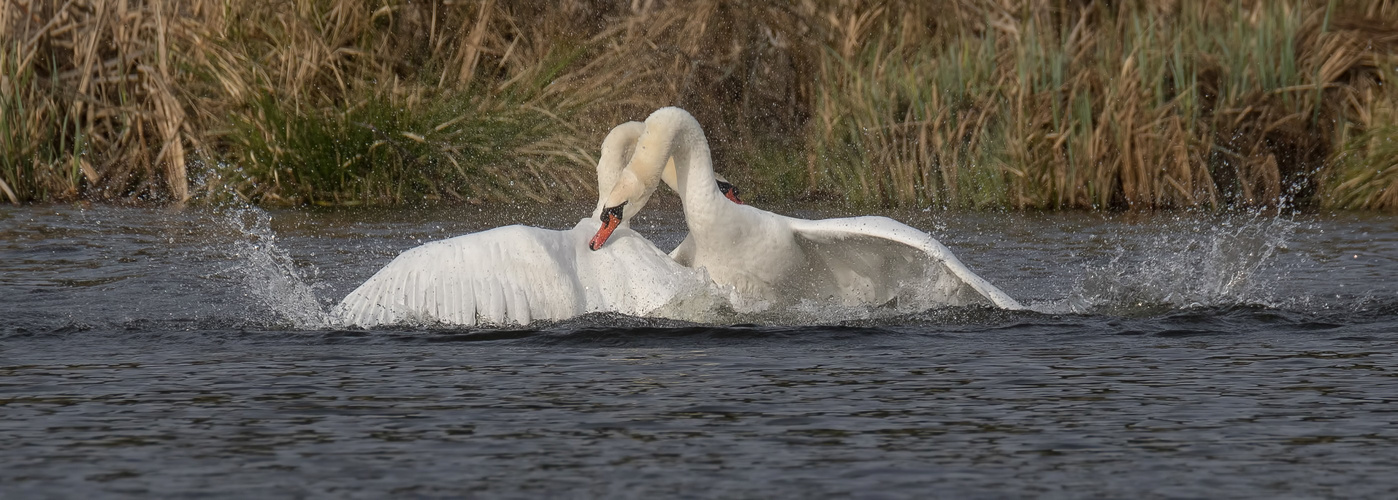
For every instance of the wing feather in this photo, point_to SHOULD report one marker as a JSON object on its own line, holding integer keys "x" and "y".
{"x": 855, "y": 248}
{"x": 508, "y": 274}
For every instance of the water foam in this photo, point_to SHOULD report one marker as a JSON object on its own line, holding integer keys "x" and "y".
{"x": 924, "y": 288}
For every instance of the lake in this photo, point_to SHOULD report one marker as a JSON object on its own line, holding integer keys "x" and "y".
{"x": 179, "y": 353}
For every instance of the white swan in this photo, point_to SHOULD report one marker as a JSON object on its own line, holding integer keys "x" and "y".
{"x": 773, "y": 259}
{"x": 518, "y": 274}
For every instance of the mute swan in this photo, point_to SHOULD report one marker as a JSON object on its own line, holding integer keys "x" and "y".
{"x": 518, "y": 274}
{"x": 855, "y": 261}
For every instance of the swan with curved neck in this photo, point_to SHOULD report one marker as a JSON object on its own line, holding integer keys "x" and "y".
{"x": 854, "y": 261}
{"x": 619, "y": 146}
{"x": 517, "y": 274}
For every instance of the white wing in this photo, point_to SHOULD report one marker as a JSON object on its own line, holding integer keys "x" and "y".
{"x": 630, "y": 275}
{"x": 518, "y": 274}
{"x": 511, "y": 274}
{"x": 874, "y": 260}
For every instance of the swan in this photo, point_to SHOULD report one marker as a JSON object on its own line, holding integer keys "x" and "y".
{"x": 772, "y": 259}
{"x": 519, "y": 274}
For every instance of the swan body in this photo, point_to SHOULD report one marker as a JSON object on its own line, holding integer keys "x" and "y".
{"x": 774, "y": 259}
{"x": 519, "y": 274}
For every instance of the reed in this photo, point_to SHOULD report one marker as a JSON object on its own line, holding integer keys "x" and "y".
{"x": 1044, "y": 104}
{"x": 93, "y": 100}
{"x": 1365, "y": 173}
{"x": 33, "y": 135}
{"x": 1141, "y": 105}
{"x": 307, "y": 101}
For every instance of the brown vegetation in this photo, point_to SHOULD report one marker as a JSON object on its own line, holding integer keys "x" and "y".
{"x": 954, "y": 103}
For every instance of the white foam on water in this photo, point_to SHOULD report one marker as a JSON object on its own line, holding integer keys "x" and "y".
{"x": 923, "y": 288}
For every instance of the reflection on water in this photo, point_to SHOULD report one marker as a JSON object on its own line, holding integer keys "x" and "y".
{"x": 153, "y": 353}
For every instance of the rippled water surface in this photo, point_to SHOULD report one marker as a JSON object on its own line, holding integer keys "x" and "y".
{"x": 178, "y": 353}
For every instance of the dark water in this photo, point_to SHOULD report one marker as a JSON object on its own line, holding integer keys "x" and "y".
{"x": 175, "y": 354}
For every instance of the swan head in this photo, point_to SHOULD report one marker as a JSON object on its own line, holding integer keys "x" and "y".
{"x": 651, "y": 161}
{"x": 625, "y": 200}
{"x": 615, "y": 212}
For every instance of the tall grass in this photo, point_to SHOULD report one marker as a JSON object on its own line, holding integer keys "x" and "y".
{"x": 400, "y": 102}
{"x": 955, "y": 103}
{"x": 37, "y": 137}
{"x": 1365, "y": 173}
{"x": 1143, "y": 104}
{"x": 304, "y": 101}
{"x": 92, "y": 105}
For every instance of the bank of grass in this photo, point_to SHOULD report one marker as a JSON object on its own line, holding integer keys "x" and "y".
{"x": 952, "y": 103}
{"x": 383, "y": 148}
{"x": 300, "y": 102}
{"x": 1148, "y": 105}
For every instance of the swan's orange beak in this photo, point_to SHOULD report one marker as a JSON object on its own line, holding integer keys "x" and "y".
{"x": 611, "y": 218}
{"x": 602, "y": 234}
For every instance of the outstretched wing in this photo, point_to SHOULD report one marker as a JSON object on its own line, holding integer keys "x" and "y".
{"x": 512, "y": 274}
{"x": 873, "y": 259}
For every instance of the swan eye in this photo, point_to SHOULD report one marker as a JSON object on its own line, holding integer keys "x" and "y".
{"x": 612, "y": 212}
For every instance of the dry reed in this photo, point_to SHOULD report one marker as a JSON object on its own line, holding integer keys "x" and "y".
{"x": 1141, "y": 104}
{"x": 954, "y": 103}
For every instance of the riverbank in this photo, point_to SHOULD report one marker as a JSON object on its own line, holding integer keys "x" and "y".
{"x": 958, "y": 104}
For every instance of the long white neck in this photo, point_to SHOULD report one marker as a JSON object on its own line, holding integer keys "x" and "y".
{"x": 616, "y": 152}
{"x": 674, "y": 133}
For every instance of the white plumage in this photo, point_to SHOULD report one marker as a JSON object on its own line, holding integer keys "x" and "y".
{"x": 519, "y": 274}
{"x": 770, "y": 259}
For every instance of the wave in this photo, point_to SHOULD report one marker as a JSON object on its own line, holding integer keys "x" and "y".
{"x": 609, "y": 330}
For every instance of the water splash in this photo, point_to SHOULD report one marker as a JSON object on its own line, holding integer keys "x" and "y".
{"x": 1190, "y": 263}
{"x": 268, "y": 276}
